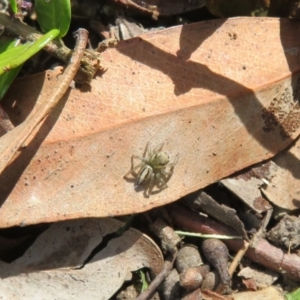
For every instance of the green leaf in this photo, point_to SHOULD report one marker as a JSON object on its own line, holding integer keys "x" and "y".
{"x": 54, "y": 14}
{"x": 144, "y": 281}
{"x": 14, "y": 6}
{"x": 7, "y": 78}
{"x": 14, "y": 57}
{"x": 294, "y": 295}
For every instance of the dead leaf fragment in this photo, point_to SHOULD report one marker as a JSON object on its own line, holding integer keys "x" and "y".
{"x": 55, "y": 265}
{"x": 284, "y": 188}
{"x": 269, "y": 293}
{"x": 286, "y": 233}
{"x": 16, "y": 138}
{"x": 210, "y": 98}
{"x": 247, "y": 185}
{"x": 261, "y": 278}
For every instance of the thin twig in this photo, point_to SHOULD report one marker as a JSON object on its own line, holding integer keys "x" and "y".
{"x": 168, "y": 266}
{"x": 152, "y": 10}
{"x": 259, "y": 234}
{"x": 264, "y": 253}
{"x": 208, "y": 236}
{"x": 237, "y": 259}
{"x": 55, "y": 47}
{"x": 255, "y": 240}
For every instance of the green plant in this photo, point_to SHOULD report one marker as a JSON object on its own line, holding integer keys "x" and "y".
{"x": 13, "y": 56}
{"x": 54, "y": 18}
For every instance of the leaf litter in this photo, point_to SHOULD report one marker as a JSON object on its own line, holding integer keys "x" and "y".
{"x": 152, "y": 119}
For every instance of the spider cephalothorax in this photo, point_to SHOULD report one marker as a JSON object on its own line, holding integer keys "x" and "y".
{"x": 153, "y": 168}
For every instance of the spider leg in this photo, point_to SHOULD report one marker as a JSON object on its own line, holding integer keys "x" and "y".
{"x": 142, "y": 164}
{"x": 147, "y": 151}
{"x": 143, "y": 159}
{"x": 167, "y": 174}
{"x": 151, "y": 183}
{"x": 158, "y": 148}
{"x": 133, "y": 168}
{"x": 174, "y": 163}
{"x": 162, "y": 180}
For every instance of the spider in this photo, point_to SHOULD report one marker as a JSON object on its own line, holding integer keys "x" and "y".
{"x": 152, "y": 169}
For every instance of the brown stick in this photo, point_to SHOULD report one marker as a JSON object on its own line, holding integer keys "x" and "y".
{"x": 168, "y": 266}
{"x": 55, "y": 47}
{"x": 151, "y": 10}
{"x": 263, "y": 253}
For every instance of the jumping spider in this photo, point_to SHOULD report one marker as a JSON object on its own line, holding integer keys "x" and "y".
{"x": 153, "y": 169}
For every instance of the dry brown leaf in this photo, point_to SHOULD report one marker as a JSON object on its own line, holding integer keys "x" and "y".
{"x": 222, "y": 93}
{"x": 53, "y": 267}
{"x": 284, "y": 188}
{"x": 269, "y": 293}
{"x": 261, "y": 278}
{"x": 247, "y": 185}
{"x": 14, "y": 139}
{"x": 286, "y": 233}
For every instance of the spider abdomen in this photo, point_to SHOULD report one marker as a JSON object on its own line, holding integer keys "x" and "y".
{"x": 144, "y": 175}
